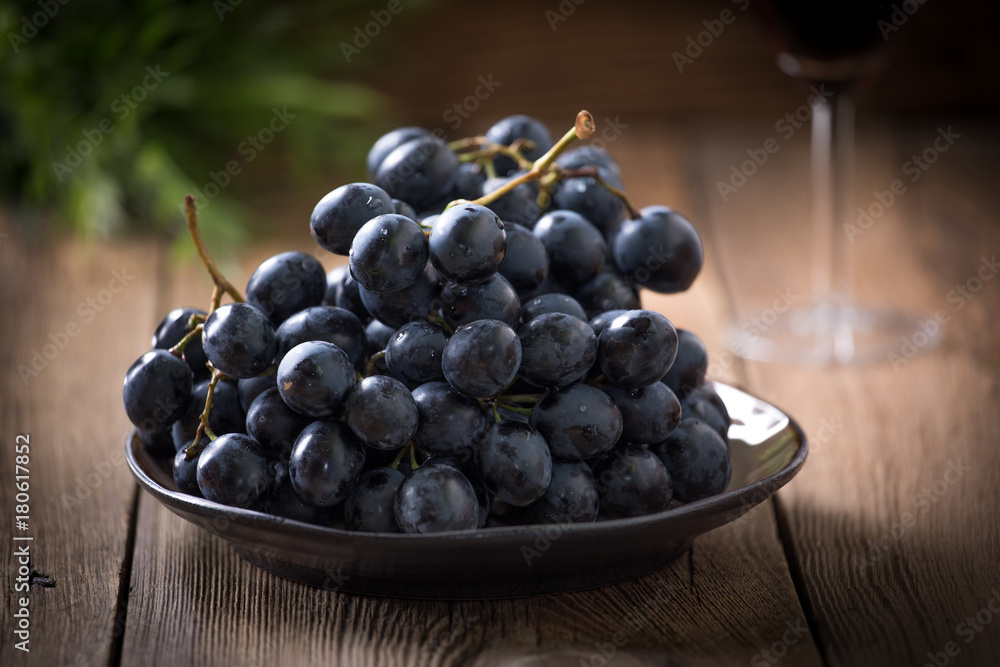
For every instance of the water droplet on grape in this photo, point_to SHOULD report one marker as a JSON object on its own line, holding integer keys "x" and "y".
{"x": 583, "y": 408}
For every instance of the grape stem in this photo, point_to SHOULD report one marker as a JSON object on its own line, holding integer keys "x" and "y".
{"x": 520, "y": 398}
{"x": 583, "y": 129}
{"x": 178, "y": 349}
{"x": 372, "y": 360}
{"x": 516, "y": 408}
{"x": 223, "y": 285}
{"x": 595, "y": 173}
{"x": 195, "y": 448}
{"x": 434, "y": 318}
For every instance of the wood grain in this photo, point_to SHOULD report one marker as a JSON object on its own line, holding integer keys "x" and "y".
{"x": 194, "y": 600}
{"x": 81, "y": 495}
{"x": 891, "y": 525}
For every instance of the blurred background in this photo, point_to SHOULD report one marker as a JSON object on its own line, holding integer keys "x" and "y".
{"x": 110, "y": 111}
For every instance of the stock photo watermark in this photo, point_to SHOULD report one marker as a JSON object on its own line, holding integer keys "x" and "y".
{"x": 968, "y": 629}
{"x": 30, "y": 25}
{"x": 249, "y": 149}
{"x": 796, "y": 629}
{"x": 921, "y": 504}
{"x": 561, "y": 13}
{"x": 929, "y": 329}
{"x": 786, "y": 127}
{"x": 696, "y": 45}
{"x": 87, "y": 311}
{"x": 901, "y": 13}
{"x": 363, "y": 35}
{"x": 462, "y": 110}
{"x": 913, "y": 168}
{"x": 121, "y": 108}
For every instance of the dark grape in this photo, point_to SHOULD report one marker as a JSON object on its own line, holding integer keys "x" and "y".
{"x": 186, "y": 472}
{"x": 649, "y": 414}
{"x": 508, "y": 130}
{"x": 421, "y": 172}
{"x": 250, "y": 388}
{"x": 696, "y": 405}
{"x": 233, "y": 470}
{"x": 371, "y": 507}
{"x": 381, "y": 412}
{"x": 688, "y": 370}
{"x": 579, "y": 422}
{"x": 413, "y": 354}
{"x": 481, "y": 358}
{"x": 598, "y": 322}
{"x": 329, "y": 323}
{"x": 607, "y": 291}
{"x": 226, "y": 415}
{"x": 698, "y": 460}
{"x": 342, "y": 292}
{"x": 467, "y": 243}
{"x": 636, "y": 349}
{"x": 315, "y": 377}
{"x": 239, "y": 340}
{"x": 402, "y": 306}
{"x": 325, "y": 464}
{"x": 575, "y": 246}
{"x": 493, "y": 299}
{"x": 449, "y": 423}
{"x": 556, "y": 349}
{"x": 157, "y": 444}
{"x": 552, "y": 303}
{"x": 400, "y": 207}
{"x": 377, "y": 336}
{"x": 514, "y": 462}
{"x": 172, "y": 328}
{"x": 285, "y": 284}
{"x": 589, "y": 155}
{"x": 340, "y": 214}
{"x": 436, "y": 498}
{"x": 660, "y": 250}
{"x": 525, "y": 263}
{"x": 284, "y": 502}
{"x": 388, "y": 253}
{"x": 469, "y": 182}
{"x": 585, "y": 195}
{"x": 389, "y": 142}
{"x": 273, "y": 424}
{"x": 632, "y": 481}
{"x": 518, "y": 206}
{"x": 571, "y": 496}
{"x": 157, "y": 391}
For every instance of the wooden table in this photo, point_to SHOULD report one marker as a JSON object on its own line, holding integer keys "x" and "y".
{"x": 884, "y": 550}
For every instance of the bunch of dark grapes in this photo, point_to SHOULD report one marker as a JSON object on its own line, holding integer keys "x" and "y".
{"x": 483, "y": 358}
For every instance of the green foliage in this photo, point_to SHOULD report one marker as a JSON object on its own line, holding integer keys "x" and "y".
{"x": 112, "y": 110}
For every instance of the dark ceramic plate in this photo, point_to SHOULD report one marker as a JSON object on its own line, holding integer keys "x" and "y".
{"x": 768, "y": 448}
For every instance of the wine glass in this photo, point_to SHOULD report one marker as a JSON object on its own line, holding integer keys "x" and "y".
{"x": 833, "y": 46}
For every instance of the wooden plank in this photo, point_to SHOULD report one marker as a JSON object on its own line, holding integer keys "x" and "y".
{"x": 194, "y": 600}
{"x": 890, "y": 524}
{"x": 86, "y": 310}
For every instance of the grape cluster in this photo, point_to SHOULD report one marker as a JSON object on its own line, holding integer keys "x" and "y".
{"x": 483, "y": 358}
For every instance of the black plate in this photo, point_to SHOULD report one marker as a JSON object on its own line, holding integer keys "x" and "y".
{"x": 768, "y": 448}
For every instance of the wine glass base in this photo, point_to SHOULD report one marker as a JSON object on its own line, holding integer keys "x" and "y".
{"x": 828, "y": 333}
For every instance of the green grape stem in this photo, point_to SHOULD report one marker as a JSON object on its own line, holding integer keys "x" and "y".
{"x": 582, "y": 129}
{"x": 197, "y": 445}
{"x": 178, "y": 349}
{"x": 221, "y": 283}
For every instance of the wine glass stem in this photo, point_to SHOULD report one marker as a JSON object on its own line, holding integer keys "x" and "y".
{"x": 833, "y": 177}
